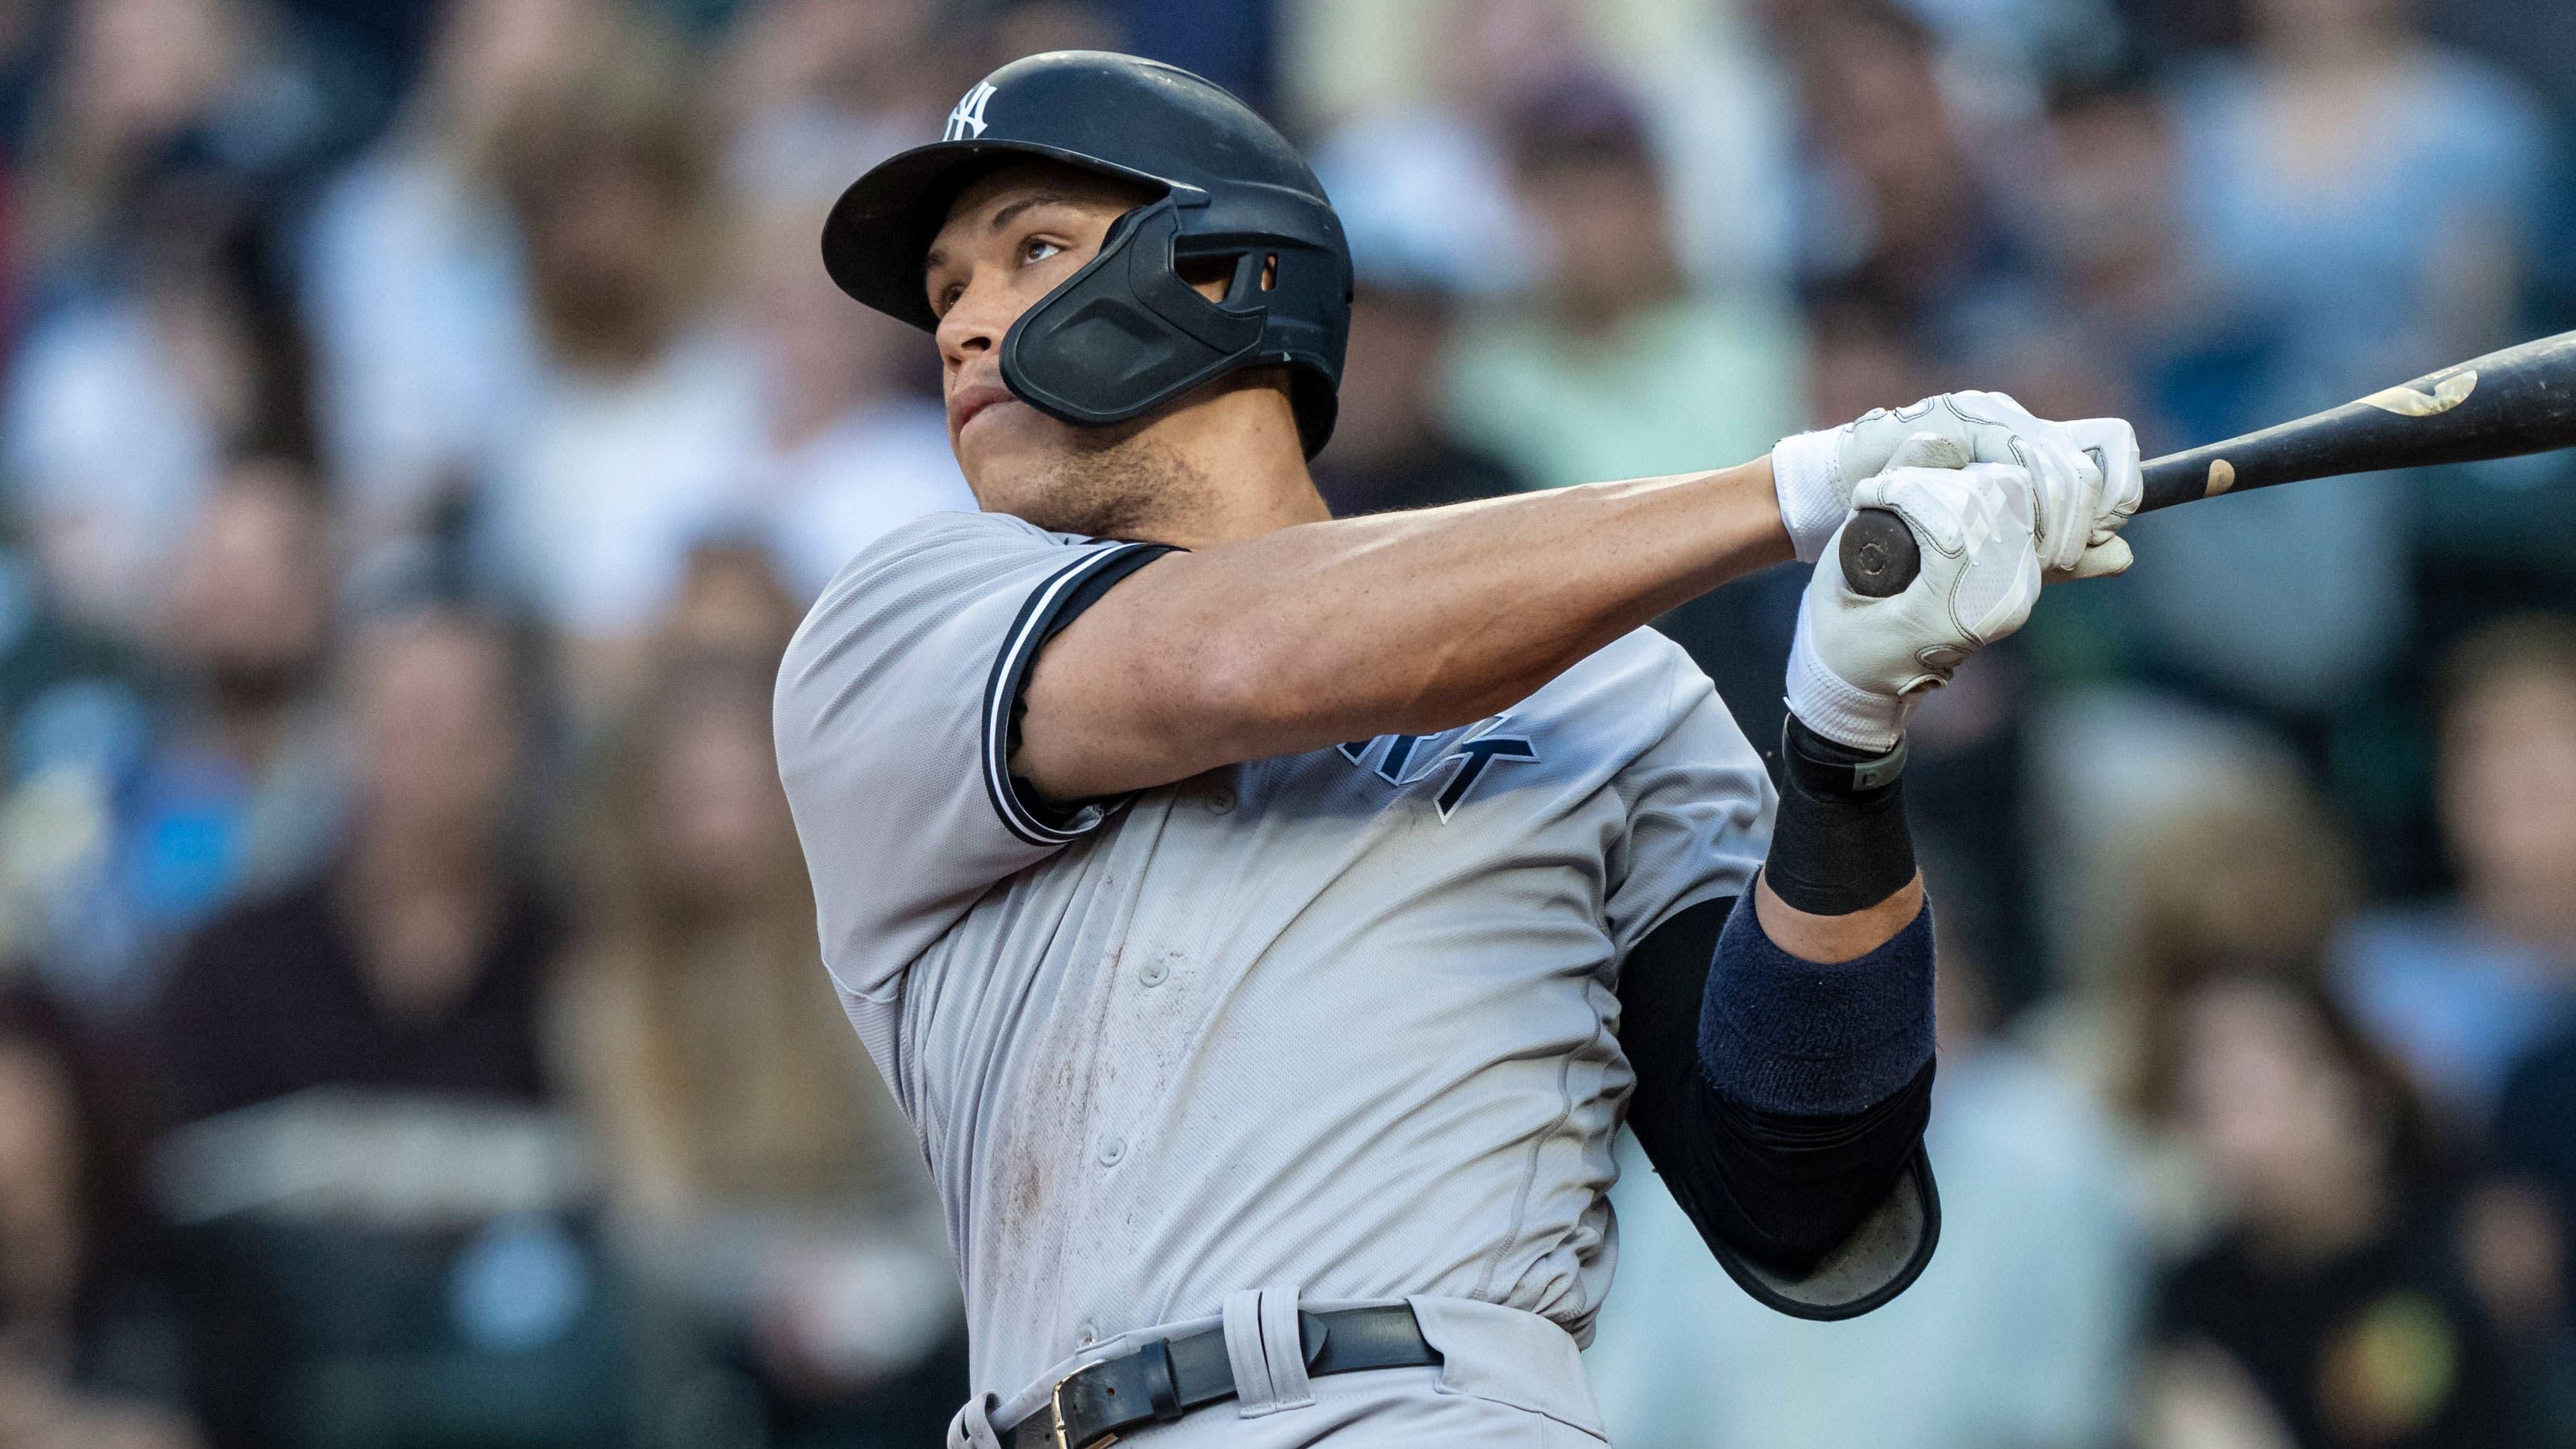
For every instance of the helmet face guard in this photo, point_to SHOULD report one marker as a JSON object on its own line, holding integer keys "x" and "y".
{"x": 1126, "y": 334}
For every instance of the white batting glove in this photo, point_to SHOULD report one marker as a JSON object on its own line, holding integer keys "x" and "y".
{"x": 1859, "y": 665}
{"x": 2080, "y": 503}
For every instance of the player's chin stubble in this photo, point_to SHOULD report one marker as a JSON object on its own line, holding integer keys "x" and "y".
{"x": 1119, "y": 482}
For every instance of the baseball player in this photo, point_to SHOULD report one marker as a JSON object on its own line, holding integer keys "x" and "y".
{"x": 1267, "y": 920}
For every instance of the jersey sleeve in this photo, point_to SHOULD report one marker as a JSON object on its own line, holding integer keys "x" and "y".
{"x": 1699, "y": 808}
{"x": 895, "y": 713}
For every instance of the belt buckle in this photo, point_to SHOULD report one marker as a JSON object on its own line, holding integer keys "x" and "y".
{"x": 1055, "y": 1412}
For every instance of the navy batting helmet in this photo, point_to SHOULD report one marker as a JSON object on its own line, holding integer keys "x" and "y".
{"x": 1125, "y": 334}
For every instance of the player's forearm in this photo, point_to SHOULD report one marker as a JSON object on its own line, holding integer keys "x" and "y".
{"x": 1411, "y": 622}
{"x": 1427, "y": 621}
{"x": 1831, "y": 940}
{"x": 1840, "y": 879}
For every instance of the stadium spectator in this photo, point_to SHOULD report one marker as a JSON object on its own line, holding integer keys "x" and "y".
{"x": 88, "y": 1351}
{"x": 2375, "y": 260}
{"x": 132, "y": 393}
{"x": 412, "y": 276}
{"x": 645, "y": 409}
{"x": 814, "y": 88}
{"x": 2536, "y": 40}
{"x": 1391, "y": 447}
{"x": 764, "y": 1182}
{"x": 1892, "y": 201}
{"x": 1419, "y": 175}
{"x": 2241, "y": 874}
{"x": 1615, "y": 368}
{"x": 2458, "y": 988}
{"x": 135, "y": 84}
{"x": 2125, "y": 336}
{"x": 732, "y": 603}
{"x": 2019, "y": 1333}
{"x": 243, "y": 795}
{"x": 1859, "y": 354}
{"x": 377, "y": 1210}
{"x": 847, "y": 451}
{"x": 2360, "y": 204}
{"x": 2535, "y": 1149}
{"x": 235, "y": 789}
{"x": 2335, "y": 1308}
{"x": 414, "y": 961}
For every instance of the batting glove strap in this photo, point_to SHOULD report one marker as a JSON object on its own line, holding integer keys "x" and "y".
{"x": 1818, "y": 766}
{"x": 1837, "y": 709}
{"x": 1806, "y": 473}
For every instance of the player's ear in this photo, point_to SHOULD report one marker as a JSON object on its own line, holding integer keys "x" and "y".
{"x": 1211, "y": 276}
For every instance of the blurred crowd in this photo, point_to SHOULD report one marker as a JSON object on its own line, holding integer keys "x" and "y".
{"x": 422, "y": 422}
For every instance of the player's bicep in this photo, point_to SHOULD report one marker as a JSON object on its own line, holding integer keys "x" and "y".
{"x": 1125, "y": 692}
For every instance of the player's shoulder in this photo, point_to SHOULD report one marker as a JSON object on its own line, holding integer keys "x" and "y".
{"x": 937, "y": 592}
{"x": 904, "y": 581}
{"x": 911, "y": 565}
{"x": 943, "y": 537}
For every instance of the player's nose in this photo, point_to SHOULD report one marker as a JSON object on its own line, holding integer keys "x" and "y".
{"x": 975, "y": 325}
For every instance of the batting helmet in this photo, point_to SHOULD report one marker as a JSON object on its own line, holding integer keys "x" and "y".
{"x": 1125, "y": 334}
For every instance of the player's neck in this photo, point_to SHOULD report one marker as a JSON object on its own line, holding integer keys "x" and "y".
{"x": 1248, "y": 512}
{"x": 1245, "y": 442}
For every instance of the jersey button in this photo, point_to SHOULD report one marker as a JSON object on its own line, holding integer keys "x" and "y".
{"x": 1086, "y": 1336}
{"x": 1112, "y": 1151}
{"x": 1154, "y": 972}
{"x": 1222, "y": 802}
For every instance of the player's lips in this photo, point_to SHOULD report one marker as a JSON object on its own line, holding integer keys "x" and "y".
{"x": 969, "y": 403}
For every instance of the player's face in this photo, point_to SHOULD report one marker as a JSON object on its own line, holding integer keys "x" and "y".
{"x": 1009, "y": 240}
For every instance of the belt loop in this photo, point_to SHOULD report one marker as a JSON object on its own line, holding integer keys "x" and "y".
{"x": 1263, "y": 1345}
{"x": 1243, "y": 1349}
{"x": 1282, "y": 1335}
{"x": 973, "y": 1426}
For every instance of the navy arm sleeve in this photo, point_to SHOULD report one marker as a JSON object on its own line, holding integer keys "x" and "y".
{"x": 1783, "y": 1103}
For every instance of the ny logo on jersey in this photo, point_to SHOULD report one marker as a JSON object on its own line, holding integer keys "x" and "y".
{"x": 1475, "y": 754}
{"x": 967, "y": 121}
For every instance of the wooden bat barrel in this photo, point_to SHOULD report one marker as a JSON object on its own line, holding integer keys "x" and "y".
{"x": 2502, "y": 405}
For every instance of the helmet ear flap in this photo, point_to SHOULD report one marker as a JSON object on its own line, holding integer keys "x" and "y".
{"x": 1126, "y": 334}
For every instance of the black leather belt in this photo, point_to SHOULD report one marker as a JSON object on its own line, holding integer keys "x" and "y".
{"x": 1169, "y": 1377}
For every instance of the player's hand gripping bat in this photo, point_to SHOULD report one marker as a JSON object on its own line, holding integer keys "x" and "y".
{"x": 2502, "y": 405}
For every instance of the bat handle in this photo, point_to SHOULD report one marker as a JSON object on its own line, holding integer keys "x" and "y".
{"x": 1879, "y": 554}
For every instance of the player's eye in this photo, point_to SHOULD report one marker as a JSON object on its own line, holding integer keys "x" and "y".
{"x": 945, "y": 299}
{"x": 1037, "y": 249}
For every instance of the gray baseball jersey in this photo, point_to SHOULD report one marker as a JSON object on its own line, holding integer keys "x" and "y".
{"x": 1341, "y": 1020}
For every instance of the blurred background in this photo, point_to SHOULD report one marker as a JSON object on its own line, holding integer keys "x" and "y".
{"x": 423, "y": 421}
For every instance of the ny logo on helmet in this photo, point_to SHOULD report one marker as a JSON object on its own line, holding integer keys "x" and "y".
{"x": 967, "y": 121}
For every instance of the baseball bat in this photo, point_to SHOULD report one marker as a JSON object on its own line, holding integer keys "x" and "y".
{"x": 2520, "y": 400}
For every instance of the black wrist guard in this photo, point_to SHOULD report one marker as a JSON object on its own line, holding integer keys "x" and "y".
{"x": 1839, "y": 843}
